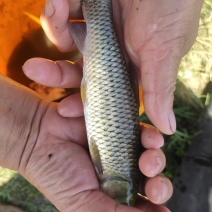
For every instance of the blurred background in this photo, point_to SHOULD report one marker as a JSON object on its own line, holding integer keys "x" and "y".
{"x": 188, "y": 152}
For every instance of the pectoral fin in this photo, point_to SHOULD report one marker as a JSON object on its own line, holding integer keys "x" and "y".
{"x": 136, "y": 87}
{"x": 95, "y": 156}
{"x": 78, "y": 33}
{"x": 141, "y": 104}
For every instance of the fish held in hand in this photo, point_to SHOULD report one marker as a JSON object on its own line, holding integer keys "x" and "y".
{"x": 110, "y": 103}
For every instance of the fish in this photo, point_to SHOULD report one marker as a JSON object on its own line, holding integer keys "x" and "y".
{"x": 111, "y": 107}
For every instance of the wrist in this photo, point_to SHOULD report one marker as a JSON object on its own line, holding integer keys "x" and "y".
{"x": 21, "y": 113}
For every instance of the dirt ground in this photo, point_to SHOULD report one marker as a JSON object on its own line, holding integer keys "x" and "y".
{"x": 193, "y": 186}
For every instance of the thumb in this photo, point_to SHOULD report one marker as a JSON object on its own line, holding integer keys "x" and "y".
{"x": 158, "y": 78}
{"x": 159, "y": 72}
{"x": 159, "y": 44}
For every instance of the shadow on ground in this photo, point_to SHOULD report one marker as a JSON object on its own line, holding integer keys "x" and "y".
{"x": 193, "y": 186}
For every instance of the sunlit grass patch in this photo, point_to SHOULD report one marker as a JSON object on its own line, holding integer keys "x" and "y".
{"x": 15, "y": 190}
{"x": 196, "y": 67}
{"x": 5, "y": 175}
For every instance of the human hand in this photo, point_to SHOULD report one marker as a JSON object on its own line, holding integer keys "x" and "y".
{"x": 156, "y": 37}
{"x": 55, "y": 156}
{"x": 50, "y": 151}
{"x": 62, "y": 109}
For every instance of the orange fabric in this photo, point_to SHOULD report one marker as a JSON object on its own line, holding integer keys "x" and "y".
{"x": 15, "y": 24}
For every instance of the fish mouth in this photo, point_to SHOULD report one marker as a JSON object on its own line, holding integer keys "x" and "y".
{"x": 120, "y": 189}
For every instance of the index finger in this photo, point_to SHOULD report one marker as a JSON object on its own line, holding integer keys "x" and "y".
{"x": 54, "y": 20}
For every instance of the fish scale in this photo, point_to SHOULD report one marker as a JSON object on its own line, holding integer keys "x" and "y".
{"x": 110, "y": 105}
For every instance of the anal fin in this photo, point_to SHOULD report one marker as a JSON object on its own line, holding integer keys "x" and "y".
{"x": 94, "y": 151}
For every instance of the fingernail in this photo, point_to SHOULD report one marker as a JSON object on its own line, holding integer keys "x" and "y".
{"x": 29, "y": 71}
{"x": 164, "y": 191}
{"x": 172, "y": 121}
{"x": 49, "y": 8}
{"x": 149, "y": 126}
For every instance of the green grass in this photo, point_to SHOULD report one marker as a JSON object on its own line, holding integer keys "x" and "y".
{"x": 188, "y": 110}
{"x": 15, "y": 190}
{"x": 190, "y": 101}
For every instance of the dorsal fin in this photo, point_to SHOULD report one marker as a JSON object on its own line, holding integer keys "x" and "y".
{"x": 78, "y": 33}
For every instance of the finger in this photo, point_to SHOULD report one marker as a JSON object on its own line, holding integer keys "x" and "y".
{"x": 158, "y": 189}
{"x": 100, "y": 202}
{"x": 152, "y": 162}
{"x": 53, "y": 74}
{"x": 158, "y": 88}
{"x": 71, "y": 106}
{"x": 151, "y": 138}
{"x": 97, "y": 201}
{"x": 147, "y": 206}
{"x": 54, "y": 20}
{"x": 73, "y": 128}
{"x": 157, "y": 46}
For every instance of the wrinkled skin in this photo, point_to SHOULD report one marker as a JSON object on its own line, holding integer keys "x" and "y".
{"x": 51, "y": 149}
{"x": 51, "y": 152}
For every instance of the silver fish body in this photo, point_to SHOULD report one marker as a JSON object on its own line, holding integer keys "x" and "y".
{"x": 110, "y": 105}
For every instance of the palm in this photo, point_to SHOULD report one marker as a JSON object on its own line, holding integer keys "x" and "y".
{"x": 60, "y": 160}
{"x": 61, "y": 168}
{"x": 152, "y": 27}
